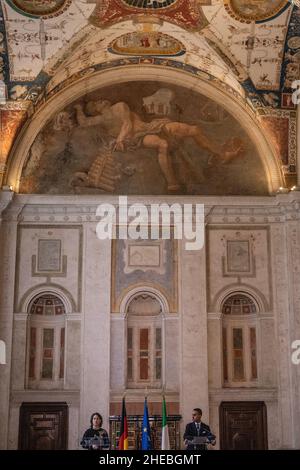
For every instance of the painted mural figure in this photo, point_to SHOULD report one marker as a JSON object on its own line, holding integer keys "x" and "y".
{"x": 130, "y": 132}
{"x": 51, "y": 142}
{"x": 142, "y": 139}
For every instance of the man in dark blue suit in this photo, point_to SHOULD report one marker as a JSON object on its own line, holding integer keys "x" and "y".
{"x": 197, "y": 429}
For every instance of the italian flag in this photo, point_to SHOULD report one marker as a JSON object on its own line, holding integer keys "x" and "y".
{"x": 165, "y": 442}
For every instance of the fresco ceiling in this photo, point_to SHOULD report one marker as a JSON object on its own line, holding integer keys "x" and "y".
{"x": 249, "y": 46}
{"x": 248, "y": 35}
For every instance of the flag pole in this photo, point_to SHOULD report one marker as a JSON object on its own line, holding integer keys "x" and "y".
{"x": 146, "y": 443}
{"x": 165, "y": 440}
{"x": 123, "y": 440}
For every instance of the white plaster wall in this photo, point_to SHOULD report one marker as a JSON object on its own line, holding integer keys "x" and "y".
{"x": 19, "y": 352}
{"x": 267, "y": 360}
{"x": 28, "y": 237}
{"x": 95, "y": 340}
{"x": 214, "y": 345}
{"x": 13, "y": 427}
{"x": 118, "y": 353}
{"x": 214, "y": 421}
{"x": 73, "y": 355}
{"x": 258, "y": 281}
{"x": 172, "y": 345}
{"x": 74, "y": 437}
{"x": 274, "y": 424}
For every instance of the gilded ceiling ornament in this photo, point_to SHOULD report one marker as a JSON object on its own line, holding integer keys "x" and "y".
{"x": 254, "y": 10}
{"x": 184, "y": 13}
{"x": 40, "y": 8}
{"x": 149, "y": 4}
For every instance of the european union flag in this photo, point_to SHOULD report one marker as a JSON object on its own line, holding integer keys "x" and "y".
{"x": 146, "y": 434}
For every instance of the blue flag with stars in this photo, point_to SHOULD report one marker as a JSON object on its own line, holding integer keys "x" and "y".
{"x": 146, "y": 434}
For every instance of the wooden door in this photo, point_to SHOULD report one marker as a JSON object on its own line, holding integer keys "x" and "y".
{"x": 243, "y": 425}
{"x": 43, "y": 426}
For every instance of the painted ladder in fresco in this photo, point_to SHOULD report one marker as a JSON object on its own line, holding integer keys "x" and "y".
{"x": 102, "y": 173}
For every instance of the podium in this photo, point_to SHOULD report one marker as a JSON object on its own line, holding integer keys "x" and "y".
{"x": 199, "y": 442}
{"x": 95, "y": 443}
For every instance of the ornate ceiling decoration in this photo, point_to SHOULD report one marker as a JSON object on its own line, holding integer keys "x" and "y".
{"x": 149, "y": 4}
{"x": 290, "y": 70}
{"x": 40, "y": 8}
{"x": 186, "y": 14}
{"x": 254, "y": 10}
{"x": 151, "y": 43}
{"x": 250, "y": 47}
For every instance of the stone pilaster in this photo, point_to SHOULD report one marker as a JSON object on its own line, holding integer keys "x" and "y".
{"x": 5, "y": 199}
{"x": 95, "y": 371}
{"x": 8, "y": 237}
{"x": 283, "y": 334}
{"x": 193, "y": 364}
{"x": 293, "y": 247}
{"x": 73, "y": 352}
{"x": 298, "y": 146}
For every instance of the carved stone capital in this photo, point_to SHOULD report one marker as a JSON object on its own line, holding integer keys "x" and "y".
{"x": 6, "y": 196}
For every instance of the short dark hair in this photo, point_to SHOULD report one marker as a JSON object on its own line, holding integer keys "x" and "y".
{"x": 199, "y": 411}
{"x": 99, "y": 416}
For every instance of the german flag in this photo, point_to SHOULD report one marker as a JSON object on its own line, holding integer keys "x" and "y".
{"x": 123, "y": 441}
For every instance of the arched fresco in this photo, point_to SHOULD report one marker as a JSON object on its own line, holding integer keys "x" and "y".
{"x": 143, "y": 138}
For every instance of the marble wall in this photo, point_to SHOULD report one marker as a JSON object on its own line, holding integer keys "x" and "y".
{"x": 263, "y": 261}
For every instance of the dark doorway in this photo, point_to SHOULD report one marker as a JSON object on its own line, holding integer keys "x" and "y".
{"x": 43, "y": 426}
{"x": 243, "y": 425}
